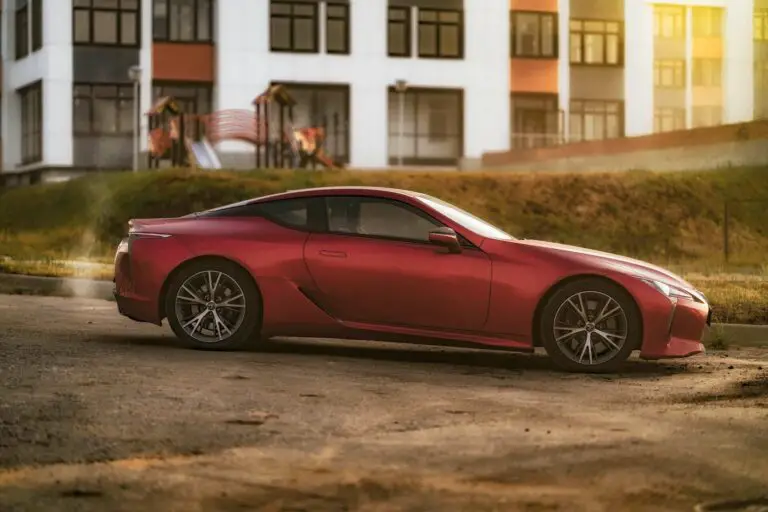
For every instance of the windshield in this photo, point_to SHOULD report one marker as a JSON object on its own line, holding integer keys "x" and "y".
{"x": 465, "y": 219}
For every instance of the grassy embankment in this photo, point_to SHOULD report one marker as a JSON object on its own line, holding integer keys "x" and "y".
{"x": 675, "y": 219}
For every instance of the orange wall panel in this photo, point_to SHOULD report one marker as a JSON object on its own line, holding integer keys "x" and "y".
{"x": 708, "y": 48}
{"x": 533, "y": 5}
{"x": 707, "y": 96}
{"x": 183, "y": 62}
{"x": 533, "y": 75}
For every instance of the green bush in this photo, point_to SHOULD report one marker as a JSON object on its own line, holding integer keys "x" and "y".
{"x": 665, "y": 217}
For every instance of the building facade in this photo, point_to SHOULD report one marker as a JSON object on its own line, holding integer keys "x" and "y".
{"x": 481, "y": 76}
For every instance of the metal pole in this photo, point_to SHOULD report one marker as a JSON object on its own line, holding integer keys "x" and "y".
{"x": 726, "y": 221}
{"x": 136, "y": 125}
{"x": 400, "y": 143}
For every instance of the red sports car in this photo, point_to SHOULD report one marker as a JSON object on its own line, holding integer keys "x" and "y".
{"x": 394, "y": 265}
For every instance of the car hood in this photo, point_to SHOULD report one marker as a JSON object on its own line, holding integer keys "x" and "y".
{"x": 610, "y": 261}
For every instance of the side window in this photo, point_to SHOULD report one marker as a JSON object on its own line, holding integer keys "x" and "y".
{"x": 377, "y": 217}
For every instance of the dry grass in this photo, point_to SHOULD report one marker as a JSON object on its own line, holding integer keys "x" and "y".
{"x": 59, "y": 268}
{"x": 738, "y": 299}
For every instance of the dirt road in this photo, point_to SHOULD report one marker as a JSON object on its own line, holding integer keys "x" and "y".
{"x": 98, "y": 413}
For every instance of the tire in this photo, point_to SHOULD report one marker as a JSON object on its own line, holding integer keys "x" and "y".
{"x": 564, "y": 330}
{"x": 231, "y": 321}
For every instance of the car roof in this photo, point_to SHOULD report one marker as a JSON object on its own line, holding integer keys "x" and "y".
{"x": 325, "y": 191}
{"x": 339, "y": 190}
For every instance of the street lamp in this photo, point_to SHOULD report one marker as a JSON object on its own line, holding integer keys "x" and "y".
{"x": 401, "y": 86}
{"x": 134, "y": 73}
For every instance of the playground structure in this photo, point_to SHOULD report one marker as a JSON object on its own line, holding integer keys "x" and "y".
{"x": 189, "y": 139}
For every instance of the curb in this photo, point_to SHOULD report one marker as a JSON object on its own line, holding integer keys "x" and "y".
{"x": 743, "y": 335}
{"x": 735, "y": 334}
{"x": 18, "y": 284}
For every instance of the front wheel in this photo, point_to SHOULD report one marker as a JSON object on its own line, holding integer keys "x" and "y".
{"x": 213, "y": 305}
{"x": 590, "y": 325}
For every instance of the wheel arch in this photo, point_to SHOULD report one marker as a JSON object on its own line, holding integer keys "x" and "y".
{"x": 566, "y": 281}
{"x": 197, "y": 259}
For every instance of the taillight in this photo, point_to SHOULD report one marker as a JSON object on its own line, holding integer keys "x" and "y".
{"x": 123, "y": 246}
{"x": 133, "y": 236}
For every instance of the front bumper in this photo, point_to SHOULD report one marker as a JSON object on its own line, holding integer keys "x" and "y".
{"x": 685, "y": 324}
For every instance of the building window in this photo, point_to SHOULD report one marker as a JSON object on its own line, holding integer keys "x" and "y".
{"x": 536, "y": 120}
{"x": 399, "y": 32}
{"x": 596, "y": 42}
{"x": 37, "y": 25}
{"x": 191, "y": 98}
{"x": 107, "y": 22}
{"x": 761, "y": 24}
{"x": 102, "y": 109}
{"x": 669, "y": 73}
{"x": 761, "y": 89}
{"x": 337, "y": 28}
{"x": 669, "y": 21}
{"x": 441, "y": 34}
{"x": 21, "y": 28}
{"x": 327, "y": 106}
{"x": 667, "y": 119}
{"x": 707, "y": 116}
{"x": 534, "y": 34}
{"x": 707, "y": 22}
{"x": 596, "y": 120}
{"x": 182, "y": 20}
{"x": 31, "y": 123}
{"x": 707, "y": 72}
{"x": 432, "y": 126}
{"x": 293, "y": 27}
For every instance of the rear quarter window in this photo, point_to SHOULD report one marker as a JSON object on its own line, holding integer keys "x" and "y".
{"x": 299, "y": 213}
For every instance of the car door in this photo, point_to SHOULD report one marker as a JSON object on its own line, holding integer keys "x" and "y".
{"x": 375, "y": 265}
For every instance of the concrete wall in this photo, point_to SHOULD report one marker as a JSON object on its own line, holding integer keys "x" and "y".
{"x": 701, "y": 148}
{"x": 728, "y": 154}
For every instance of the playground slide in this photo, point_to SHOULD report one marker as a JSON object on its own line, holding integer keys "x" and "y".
{"x": 323, "y": 159}
{"x": 204, "y": 154}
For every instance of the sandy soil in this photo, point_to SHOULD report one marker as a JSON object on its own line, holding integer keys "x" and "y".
{"x": 99, "y": 413}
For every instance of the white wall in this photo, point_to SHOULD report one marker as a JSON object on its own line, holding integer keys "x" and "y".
{"x": 638, "y": 67}
{"x": 246, "y": 66}
{"x": 57, "y": 83}
{"x": 145, "y": 62}
{"x": 53, "y": 65}
{"x": 738, "y": 69}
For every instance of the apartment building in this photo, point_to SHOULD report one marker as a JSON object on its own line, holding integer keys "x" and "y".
{"x": 480, "y": 75}
{"x": 634, "y": 67}
{"x": 67, "y": 85}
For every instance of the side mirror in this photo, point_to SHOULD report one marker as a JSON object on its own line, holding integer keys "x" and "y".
{"x": 445, "y": 237}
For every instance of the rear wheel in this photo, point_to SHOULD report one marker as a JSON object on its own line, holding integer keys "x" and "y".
{"x": 214, "y": 305}
{"x": 590, "y": 325}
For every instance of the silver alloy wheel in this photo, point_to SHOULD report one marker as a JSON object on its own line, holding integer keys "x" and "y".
{"x": 590, "y": 328}
{"x": 210, "y": 306}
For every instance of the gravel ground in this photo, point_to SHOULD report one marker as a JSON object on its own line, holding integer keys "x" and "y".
{"x": 98, "y": 413}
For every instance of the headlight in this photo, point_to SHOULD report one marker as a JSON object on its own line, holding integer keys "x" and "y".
{"x": 670, "y": 291}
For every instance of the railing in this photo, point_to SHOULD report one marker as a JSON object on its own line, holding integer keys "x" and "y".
{"x": 536, "y": 140}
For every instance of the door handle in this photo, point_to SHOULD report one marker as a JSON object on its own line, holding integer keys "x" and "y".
{"x": 333, "y": 254}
